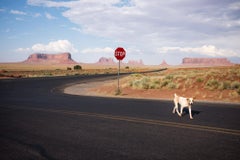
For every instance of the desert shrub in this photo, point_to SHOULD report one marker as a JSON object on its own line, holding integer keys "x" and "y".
{"x": 69, "y": 68}
{"x": 170, "y": 77}
{"x": 199, "y": 80}
{"x": 164, "y": 83}
{"x": 48, "y": 74}
{"x": 172, "y": 85}
{"x": 154, "y": 86}
{"x": 191, "y": 74}
{"x": 77, "y": 67}
{"x": 188, "y": 82}
{"x": 145, "y": 83}
{"x": 235, "y": 85}
{"x": 136, "y": 84}
{"x": 224, "y": 85}
{"x": 238, "y": 91}
{"x": 212, "y": 84}
{"x": 142, "y": 83}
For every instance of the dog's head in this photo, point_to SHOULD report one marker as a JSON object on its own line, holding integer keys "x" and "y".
{"x": 190, "y": 101}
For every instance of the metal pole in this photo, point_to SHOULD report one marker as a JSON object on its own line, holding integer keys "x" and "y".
{"x": 118, "y": 76}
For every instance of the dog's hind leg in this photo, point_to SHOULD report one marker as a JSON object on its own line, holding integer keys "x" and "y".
{"x": 181, "y": 111}
{"x": 176, "y": 109}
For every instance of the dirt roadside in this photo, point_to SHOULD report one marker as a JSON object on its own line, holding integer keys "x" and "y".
{"x": 108, "y": 89}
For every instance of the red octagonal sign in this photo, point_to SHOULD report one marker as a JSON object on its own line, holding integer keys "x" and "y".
{"x": 120, "y": 53}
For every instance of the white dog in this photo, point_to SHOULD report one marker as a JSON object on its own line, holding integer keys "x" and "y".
{"x": 184, "y": 102}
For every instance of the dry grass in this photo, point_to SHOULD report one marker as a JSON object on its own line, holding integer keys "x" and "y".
{"x": 218, "y": 83}
{"x": 21, "y": 70}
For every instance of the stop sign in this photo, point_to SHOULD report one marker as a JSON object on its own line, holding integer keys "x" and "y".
{"x": 120, "y": 53}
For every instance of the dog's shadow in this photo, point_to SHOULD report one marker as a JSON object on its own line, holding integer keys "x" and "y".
{"x": 194, "y": 112}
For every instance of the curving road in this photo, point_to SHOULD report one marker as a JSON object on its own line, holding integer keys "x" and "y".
{"x": 38, "y": 121}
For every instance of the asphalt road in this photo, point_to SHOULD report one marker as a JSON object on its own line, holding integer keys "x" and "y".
{"x": 38, "y": 121}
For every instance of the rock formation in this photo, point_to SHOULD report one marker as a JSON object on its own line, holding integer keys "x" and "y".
{"x": 135, "y": 63}
{"x": 164, "y": 63}
{"x": 110, "y": 61}
{"x": 42, "y": 58}
{"x": 206, "y": 62}
{"x": 105, "y": 61}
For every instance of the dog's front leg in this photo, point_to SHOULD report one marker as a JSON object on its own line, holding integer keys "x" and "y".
{"x": 190, "y": 112}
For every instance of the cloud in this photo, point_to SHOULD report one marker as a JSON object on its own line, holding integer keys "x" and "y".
{"x": 147, "y": 25}
{"x": 19, "y": 19}
{"x": 106, "y": 50}
{"x": 49, "y": 16}
{"x": 235, "y": 6}
{"x": 207, "y": 50}
{"x": 18, "y": 12}
{"x": 2, "y": 10}
{"x": 76, "y": 29}
{"x": 37, "y": 15}
{"x": 51, "y": 47}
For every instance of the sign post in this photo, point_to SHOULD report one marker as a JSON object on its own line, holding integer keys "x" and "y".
{"x": 120, "y": 54}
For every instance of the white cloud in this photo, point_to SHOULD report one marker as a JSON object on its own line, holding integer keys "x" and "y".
{"x": 22, "y": 50}
{"x": 49, "y": 16}
{"x": 18, "y": 12}
{"x": 2, "y": 10}
{"x": 147, "y": 25}
{"x": 51, "y": 47}
{"x": 235, "y": 6}
{"x": 140, "y": 18}
{"x": 37, "y": 15}
{"x": 106, "y": 50}
{"x": 19, "y": 19}
{"x": 76, "y": 29}
{"x": 207, "y": 50}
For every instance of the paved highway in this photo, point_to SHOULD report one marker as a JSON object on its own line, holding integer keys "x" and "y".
{"x": 38, "y": 121}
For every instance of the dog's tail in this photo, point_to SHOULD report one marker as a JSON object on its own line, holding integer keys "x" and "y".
{"x": 175, "y": 95}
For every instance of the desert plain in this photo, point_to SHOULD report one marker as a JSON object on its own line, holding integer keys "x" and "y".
{"x": 216, "y": 84}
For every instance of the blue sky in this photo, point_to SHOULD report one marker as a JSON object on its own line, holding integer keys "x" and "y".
{"x": 153, "y": 30}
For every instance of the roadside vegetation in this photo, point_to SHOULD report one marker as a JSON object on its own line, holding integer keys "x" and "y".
{"x": 211, "y": 79}
{"x": 217, "y": 83}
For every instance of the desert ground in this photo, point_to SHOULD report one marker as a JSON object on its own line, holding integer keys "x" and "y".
{"x": 23, "y": 70}
{"x": 202, "y": 83}
{"x": 216, "y": 84}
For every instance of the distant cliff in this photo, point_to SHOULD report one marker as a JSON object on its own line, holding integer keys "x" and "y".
{"x": 135, "y": 63}
{"x": 110, "y": 61}
{"x": 206, "y": 61}
{"x": 164, "y": 63}
{"x": 105, "y": 61}
{"x": 42, "y": 58}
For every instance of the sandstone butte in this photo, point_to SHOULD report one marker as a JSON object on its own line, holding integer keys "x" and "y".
{"x": 206, "y": 62}
{"x": 65, "y": 58}
{"x": 42, "y": 58}
{"x": 110, "y": 61}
